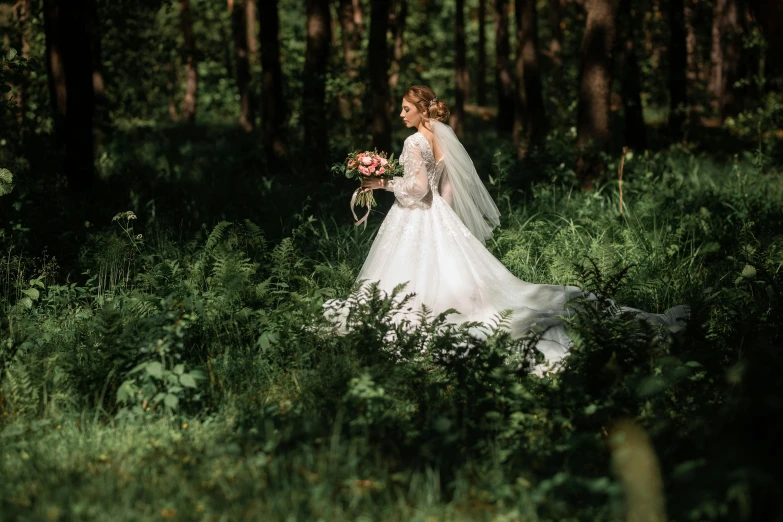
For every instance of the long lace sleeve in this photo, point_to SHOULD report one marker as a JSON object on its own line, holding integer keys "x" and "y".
{"x": 413, "y": 185}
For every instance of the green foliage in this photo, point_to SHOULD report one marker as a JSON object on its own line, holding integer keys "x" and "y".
{"x": 208, "y": 357}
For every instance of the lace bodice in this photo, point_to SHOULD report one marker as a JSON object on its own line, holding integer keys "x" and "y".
{"x": 423, "y": 178}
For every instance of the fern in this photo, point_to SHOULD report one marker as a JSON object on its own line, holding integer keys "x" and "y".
{"x": 217, "y": 235}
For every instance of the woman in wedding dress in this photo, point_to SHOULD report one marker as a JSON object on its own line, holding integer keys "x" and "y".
{"x": 434, "y": 235}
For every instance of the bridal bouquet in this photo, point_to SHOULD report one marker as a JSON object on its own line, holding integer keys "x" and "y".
{"x": 366, "y": 164}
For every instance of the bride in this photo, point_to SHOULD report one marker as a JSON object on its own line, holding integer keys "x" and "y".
{"x": 433, "y": 239}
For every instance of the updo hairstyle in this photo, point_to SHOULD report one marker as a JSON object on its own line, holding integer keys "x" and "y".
{"x": 422, "y": 97}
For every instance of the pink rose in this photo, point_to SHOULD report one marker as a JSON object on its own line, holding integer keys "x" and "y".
{"x": 371, "y": 168}
{"x": 364, "y": 171}
{"x": 381, "y": 170}
{"x": 366, "y": 161}
{"x": 351, "y": 164}
{"x": 384, "y": 161}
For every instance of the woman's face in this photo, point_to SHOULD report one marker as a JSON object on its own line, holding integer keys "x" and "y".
{"x": 410, "y": 115}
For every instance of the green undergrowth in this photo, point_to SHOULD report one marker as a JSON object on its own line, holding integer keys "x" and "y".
{"x": 194, "y": 377}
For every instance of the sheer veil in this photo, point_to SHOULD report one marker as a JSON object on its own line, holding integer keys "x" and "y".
{"x": 470, "y": 199}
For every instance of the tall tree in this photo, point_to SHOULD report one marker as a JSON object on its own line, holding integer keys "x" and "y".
{"x": 678, "y": 66}
{"x": 273, "y": 103}
{"x": 191, "y": 70}
{"x": 530, "y": 117}
{"x": 319, "y": 35}
{"x": 481, "y": 74}
{"x": 252, "y": 30}
{"x": 462, "y": 80}
{"x": 695, "y": 72}
{"x": 635, "y": 132}
{"x": 69, "y": 64}
{"x": 349, "y": 12}
{"x": 399, "y": 15}
{"x": 24, "y": 13}
{"x": 503, "y": 80}
{"x": 239, "y": 29}
{"x": 595, "y": 80}
{"x": 92, "y": 24}
{"x": 377, "y": 61}
{"x": 725, "y": 57}
{"x": 555, "y": 18}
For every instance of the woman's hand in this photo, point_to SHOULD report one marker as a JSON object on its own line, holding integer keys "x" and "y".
{"x": 374, "y": 183}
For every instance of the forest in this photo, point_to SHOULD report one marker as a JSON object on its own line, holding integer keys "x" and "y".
{"x": 173, "y": 216}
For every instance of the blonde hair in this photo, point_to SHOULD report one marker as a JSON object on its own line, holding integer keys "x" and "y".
{"x": 427, "y": 103}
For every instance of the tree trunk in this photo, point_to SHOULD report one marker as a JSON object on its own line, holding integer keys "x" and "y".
{"x": 725, "y": 57}
{"x": 319, "y": 35}
{"x": 715, "y": 85}
{"x": 172, "y": 72}
{"x": 481, "y": 75}
{"x": 462, "y": 80}
{"x": 377, "y": 60}
{"x": 191, "y": 71}
{"x": 239, "y": 29}
{"x": 398, "y": 29}
{"x": 252, "y": 31}
{"x": 678, "y": 66}
{"x": 595, "y": 81}
{"x": 92, "y": 24}
{"x": 555, "y": 17}
{"x": 25, "y": 10}
{"x": 273, "y": 103}
{"x": 505, "y": 84}
{"x": 530, "y": 120}
{"x": 69, "y": 63}
{"x": 350, "y": 14}
{"x": 693, "y": 74}
{"x": 635, "y": 132}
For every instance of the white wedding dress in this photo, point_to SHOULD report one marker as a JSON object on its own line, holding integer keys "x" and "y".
{"x": 424, "y": 243}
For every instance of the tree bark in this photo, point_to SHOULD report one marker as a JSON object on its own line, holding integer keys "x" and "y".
{"x": 273, "y": 103}
{"x": 530, "y": 117}
{"x": 25, "y": 11}
{"x": 505, "y": 84}
{"x": 635, "y": 132}
{"x": 69, "y": 63}
{"x": 92, "y": 24}
{"x": 462, "y": 80}
{"x": 377, "y": 60}
{"x": 191, "y": 71}
{"x": 595, "y": 81}
{"x": 252, "y": 31}
{"x": 694, "y": 74}
{"x": 398, "y": 29}
{"x": 725, "y": 57}
{"x": 555, "y": 17}
{"x": 319, "y": 35}
{"x": 239, "y": 29}
{"x": 678, "y": 66}
{"x": 481, "y": 74}
{"x": 350, "y": 15}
